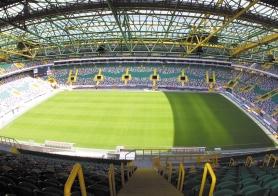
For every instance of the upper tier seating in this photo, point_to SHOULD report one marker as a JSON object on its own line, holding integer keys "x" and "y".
{"x": 6, "y": 67}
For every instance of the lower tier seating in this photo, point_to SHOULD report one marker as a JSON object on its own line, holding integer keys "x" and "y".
{"x": 27, "y": 175}
{"x": 255, "y": 178}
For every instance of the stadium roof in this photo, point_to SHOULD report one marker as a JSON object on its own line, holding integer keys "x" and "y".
{"x": 47, "y": 29}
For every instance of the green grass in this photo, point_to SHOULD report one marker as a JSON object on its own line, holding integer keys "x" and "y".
{"x": 105, "y": 119}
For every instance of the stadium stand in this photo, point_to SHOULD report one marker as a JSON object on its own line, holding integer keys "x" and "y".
{"x": 9, "y": 67}
{"x": 30, "y": 174}
{"x": 13, "y": 77}
{"x": 34, "y": 173}
{"x": 239, "y": 176}
{"x": 15, "y": 93}
{"x": 6, "y": 67}
{"x": 257, "y": 84}
{"x": 39, "y": 174}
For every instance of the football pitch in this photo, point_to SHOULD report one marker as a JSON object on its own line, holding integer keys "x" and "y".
{"x": 106, "y": 119}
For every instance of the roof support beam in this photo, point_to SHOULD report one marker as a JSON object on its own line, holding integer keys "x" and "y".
{"x": 28, "y": 31}
{"x": 203, "y": 20}
{"x": 18, "y": 53}
{"x": 79, "y": 6}
{"x": 25, "y": 53}
{"x": 118, "y": 23}
{"x": 136, "y": 41}
{"x": 225, "y": 24}
{"x": 16, "y": 38}
{"x": 247, "y": 46}
{"x": 171, "y": 20}
{"x": 218, "y": 4}
{"x": 51, "y": 21}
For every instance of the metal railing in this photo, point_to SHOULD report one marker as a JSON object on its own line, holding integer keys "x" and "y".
{"x": 169, "y": 171}
{"x": 130, "y": 153}
{"x": 111, "y": 180}
{"x": 8, "y": 141}
{"x": 165, "y": 153}
{"x": 249, "y": 161}
{"x": 232, "y": 162}
{"x": 208, "y": 169}
{"x": 181, "y": 178}
{"x": 76, "y": 171}
{"x": 130, "y": 168}
{"x": 273, "y": 158}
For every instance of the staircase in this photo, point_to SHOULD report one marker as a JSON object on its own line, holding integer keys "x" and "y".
{"x": 148, "y": 183}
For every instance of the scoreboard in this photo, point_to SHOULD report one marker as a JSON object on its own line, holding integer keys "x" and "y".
{"x": 42, "y": 71}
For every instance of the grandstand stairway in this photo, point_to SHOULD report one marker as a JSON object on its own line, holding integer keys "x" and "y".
{"x": 148, "y": 182}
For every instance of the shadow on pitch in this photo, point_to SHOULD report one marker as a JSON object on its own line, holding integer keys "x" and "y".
{"x": 188, "y": 131}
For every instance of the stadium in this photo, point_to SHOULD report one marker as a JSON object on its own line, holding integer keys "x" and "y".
{"x": 138, "y": 97}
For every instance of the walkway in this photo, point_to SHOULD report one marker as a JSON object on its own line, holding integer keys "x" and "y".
{"x": 146, "y": 182}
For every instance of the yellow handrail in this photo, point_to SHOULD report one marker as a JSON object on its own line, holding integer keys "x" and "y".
{"x": 248, "y": 161}
{"x": 69, "y": 76}
{"x": 181, "y": 177}
{"x": 123, "y": 173}
{"x": 169, "y": 171}
{"x": 207, "y": 169}
{"x": 111, "y": 180}
{"x": 266, "y": 160}
{"x": 76, "y": 170}
{"x": 274, "y": 158}
{"x": 232, "y": 162}
{"x": 156, "y": 164}
{"x": 130, "y": 169}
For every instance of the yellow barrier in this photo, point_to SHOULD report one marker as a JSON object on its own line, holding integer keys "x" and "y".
{"x": 69, "y": 76}
{"x": 19, "y": 65}
{"x": 14, "y": 150}
{"x": 249, "y": 161}
{"x": 76, "y": 170}
{"x": 111, "y": 180}
{"x": 157, "y": 164}
{"x": 169, "y": 167}
{"x": 130, "y": 169}
{"x": 266, "y": 160}
{"x": 181, "y": 177}
{"x": 207, "y": 169}
{"x": 274, "y": 158}
{"x": 232, "y": 162}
